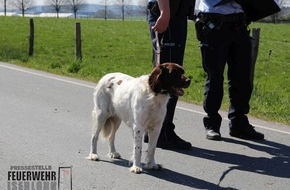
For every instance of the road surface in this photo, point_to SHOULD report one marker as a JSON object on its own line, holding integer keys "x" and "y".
{"x": 46, "y": 127}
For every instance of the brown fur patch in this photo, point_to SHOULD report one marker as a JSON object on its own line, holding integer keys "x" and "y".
{"x": 119, "y": 82}
{"x": 111, "y": 78}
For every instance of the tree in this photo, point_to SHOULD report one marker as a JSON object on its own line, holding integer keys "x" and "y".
{"x": 281, "y": 3}
{"x": 106, "y": 7}
{"x": 122, "y": 4}
{"x": 57, "y": 4}
{"x": 145, "y": 3}
{"x": 22, "y": 5}
{"x": 5, "y": 7}
{"x": 123, "y": 9}
{"x": 105, "y": 3}
{"x": 76, "y": 5}
{"x": 131, "y": 7}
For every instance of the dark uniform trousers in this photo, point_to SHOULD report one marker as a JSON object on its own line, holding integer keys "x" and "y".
{"x": 229, "y": 43}
{"x": 172, "y": 44}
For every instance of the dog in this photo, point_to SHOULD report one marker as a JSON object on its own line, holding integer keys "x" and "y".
{"x": 140, "y": 103}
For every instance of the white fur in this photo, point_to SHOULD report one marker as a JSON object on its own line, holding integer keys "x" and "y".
{"x": 119, "y": 97}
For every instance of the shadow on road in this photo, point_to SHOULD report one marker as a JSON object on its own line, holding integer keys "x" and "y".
{"x": 186, "y": 180}
{"x": 173, "y": 177}
{"x": 277, "y": 165}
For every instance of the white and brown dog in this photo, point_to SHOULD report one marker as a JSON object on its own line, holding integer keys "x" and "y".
{"x": 140, "y": 103}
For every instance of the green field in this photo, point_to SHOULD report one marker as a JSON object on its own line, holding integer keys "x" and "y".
{"x": 125, "y": 46}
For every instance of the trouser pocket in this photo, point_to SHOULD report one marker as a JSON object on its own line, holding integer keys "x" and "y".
{"x": 203, "y": 28}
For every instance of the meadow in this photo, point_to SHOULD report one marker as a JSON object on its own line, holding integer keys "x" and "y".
{"x": 125, "y": 46}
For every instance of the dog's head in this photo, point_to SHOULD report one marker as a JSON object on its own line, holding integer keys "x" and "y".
{"x": 168, "y": 78}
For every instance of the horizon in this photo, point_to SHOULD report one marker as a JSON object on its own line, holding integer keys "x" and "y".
{"x": 134, "y": 2}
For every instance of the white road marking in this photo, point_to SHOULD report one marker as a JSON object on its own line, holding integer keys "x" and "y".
{"x": 256, "y": 125}
{"x": 46, "y": 76}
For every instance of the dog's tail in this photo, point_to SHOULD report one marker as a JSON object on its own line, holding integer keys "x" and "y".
{"x": 107, "y": 128}
{"x": 109, "y": 125}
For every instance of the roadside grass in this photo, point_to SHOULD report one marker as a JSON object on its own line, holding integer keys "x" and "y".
{"x": 124, "y": 46}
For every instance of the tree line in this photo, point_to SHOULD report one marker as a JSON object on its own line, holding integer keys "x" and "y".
{"x": 24, "y": 5}
{"x": 74, "y": 5}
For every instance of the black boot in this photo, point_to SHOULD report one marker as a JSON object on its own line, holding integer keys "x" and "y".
{"x": 169, "y": 140}
{"x": 173, "y": 141}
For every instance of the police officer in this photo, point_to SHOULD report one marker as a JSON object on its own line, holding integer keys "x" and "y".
{"x": 222, "y": 28}
{"x": 169, "y": 19}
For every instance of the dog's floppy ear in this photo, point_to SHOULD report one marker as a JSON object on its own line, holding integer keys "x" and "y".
{"x": 169, "y": 67}
{"x": 165, "y": 67}
{"x": 154, "y": 79}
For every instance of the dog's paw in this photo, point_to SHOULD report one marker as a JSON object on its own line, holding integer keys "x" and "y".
{"x": 136, "y": 169}
{"x": 93, "y": 157}
{"x": 114, "y": 155}
{"x": 153, "y": 166}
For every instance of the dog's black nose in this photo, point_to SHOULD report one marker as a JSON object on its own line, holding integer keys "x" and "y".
{"x": 187, "y": 83}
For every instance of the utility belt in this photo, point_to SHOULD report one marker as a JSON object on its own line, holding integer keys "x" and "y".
{"x": 178, "y": 8}
{"x": 205, "y": 23}
{"x": 215, "y": 17}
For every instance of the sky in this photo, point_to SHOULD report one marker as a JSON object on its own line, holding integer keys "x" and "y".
{"x": 134, "y": 2}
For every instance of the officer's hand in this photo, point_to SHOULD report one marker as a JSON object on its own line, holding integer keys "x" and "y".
{"x": 162, "y": 22}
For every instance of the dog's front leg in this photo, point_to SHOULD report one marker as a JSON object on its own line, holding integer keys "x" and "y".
{"x": 137, "y": 150}
{"x": 150, "y": 160}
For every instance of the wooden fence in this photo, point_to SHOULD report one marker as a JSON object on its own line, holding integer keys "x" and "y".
{"x": 78, "y": 52}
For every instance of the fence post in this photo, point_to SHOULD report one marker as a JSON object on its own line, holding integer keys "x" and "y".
{"x": 255, "y": 49}
{"x": 78, "y": 42}
{"x": 31, "y": 38}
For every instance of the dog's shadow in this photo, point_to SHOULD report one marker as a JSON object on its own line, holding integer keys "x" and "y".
{"x": 274, "y": 165}
{"x": 185, "y": 180}
{"x": 172, "y": 176}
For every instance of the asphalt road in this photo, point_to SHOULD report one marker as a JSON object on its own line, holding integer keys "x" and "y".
{"x": 45, "y": 124}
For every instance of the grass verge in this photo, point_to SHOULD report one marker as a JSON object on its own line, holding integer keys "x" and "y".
{"x": 124, "y": 46}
